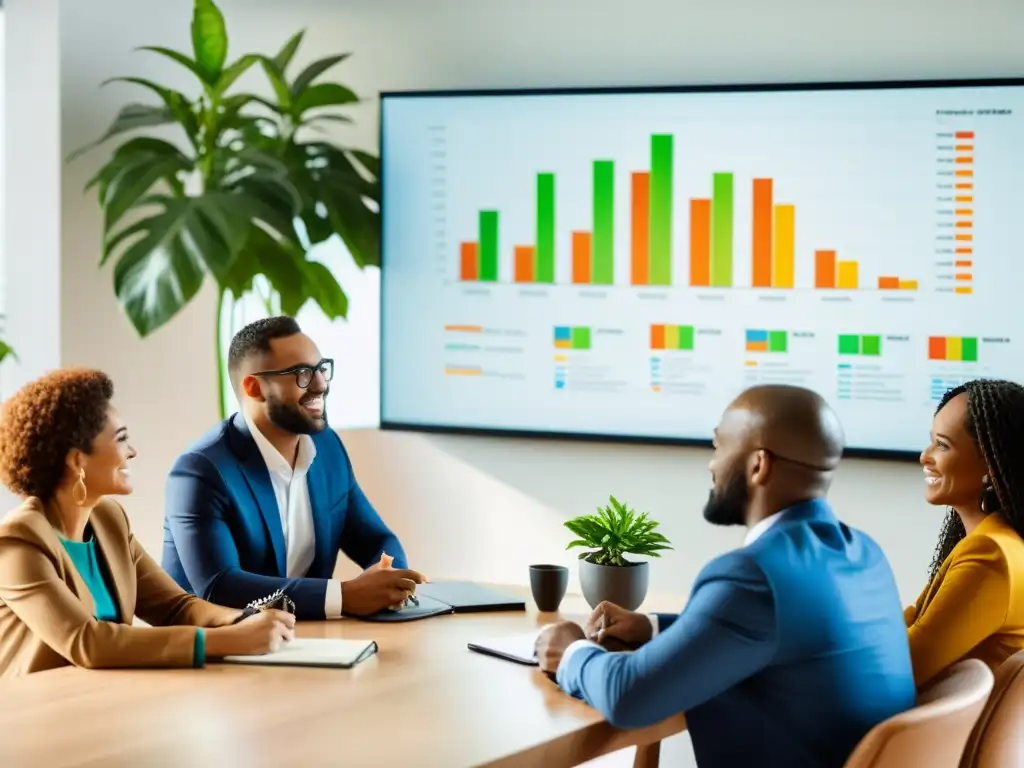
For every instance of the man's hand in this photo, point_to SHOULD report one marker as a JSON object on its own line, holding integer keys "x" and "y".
{"x": 552, "y": 642}
{"x": 378, "y": 588}
{"x": 609, "y": 622}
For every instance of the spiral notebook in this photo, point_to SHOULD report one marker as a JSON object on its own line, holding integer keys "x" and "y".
{"x": 313, "y": 652}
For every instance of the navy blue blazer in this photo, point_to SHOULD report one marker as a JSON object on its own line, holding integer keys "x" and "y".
{"x": 787, "y": 653}
{"x": 223, "y": 538}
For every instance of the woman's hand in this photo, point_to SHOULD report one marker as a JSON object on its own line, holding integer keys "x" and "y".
{"x": 261, "y": 633}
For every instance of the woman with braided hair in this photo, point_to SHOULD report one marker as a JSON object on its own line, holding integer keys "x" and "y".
{"x": 973, "y": 605}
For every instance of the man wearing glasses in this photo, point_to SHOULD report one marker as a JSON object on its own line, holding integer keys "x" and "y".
{"x": 267, "y": 499}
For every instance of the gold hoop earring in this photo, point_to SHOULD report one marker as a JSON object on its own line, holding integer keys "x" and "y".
{"x": 78, "y": 490}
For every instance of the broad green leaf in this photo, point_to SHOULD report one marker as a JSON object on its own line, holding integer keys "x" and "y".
{"x": 176, "y": 102}
{"x": 209, "y": 40}
{"x": 236, "y": 70}
{"x": 7, "y": 351}
{"x": 324, "y": 289}
{"x": 278, "y": 83}
{"x": 277, "y": 260}
{"x": 287, "y": 53}
{"x": 130, "y": 118}
{"x": 180, "y": 58}
{"x": 133, "y": 170}
{"x": 370, "y": 163}
{"x": 322, "y": 95}
{"x": 160, "y": 271}
{"x": 313, "y": 71}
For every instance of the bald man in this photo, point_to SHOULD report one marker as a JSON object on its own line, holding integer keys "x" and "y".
{"x": 790, "y": 648}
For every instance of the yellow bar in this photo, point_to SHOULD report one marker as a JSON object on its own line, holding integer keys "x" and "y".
{"x": 671, "y": 337}
{"x": 954, "y": 348}
{"x": 560, "y": 358}
{"x": 847, "y": 274}
{"x": 784, "y": 247}
{"x": 963, "y": 289}
{"x": 752, "y": 363}
{"x": 908, "y": 285}
{"x": 463, "y": 371}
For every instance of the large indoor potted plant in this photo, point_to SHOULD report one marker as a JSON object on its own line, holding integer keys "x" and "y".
{"x": 612, "y": 533}
{"x": 239, "y": 192}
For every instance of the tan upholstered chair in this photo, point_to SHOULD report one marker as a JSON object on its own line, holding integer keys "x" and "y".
{"x": 998, "y": 738}
{"x": 932, "y": 734}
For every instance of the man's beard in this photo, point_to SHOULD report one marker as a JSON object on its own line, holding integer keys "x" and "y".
{"x": 729, "y": 507}
{"x": 291, "y": 418}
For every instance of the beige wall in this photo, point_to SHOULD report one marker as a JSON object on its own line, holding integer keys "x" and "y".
{"x": 486, "y": 508}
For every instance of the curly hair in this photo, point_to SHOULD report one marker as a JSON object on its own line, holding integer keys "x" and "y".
{"x": 995, "y": 420}
{"x": 44, "y": 420}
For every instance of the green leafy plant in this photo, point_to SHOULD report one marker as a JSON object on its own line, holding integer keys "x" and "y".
{"x": 6, "y": 351}
{"x": 243, "y": 194}
{"x": 615, "y": 531}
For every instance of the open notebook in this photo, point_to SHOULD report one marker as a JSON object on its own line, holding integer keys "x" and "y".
{"x": 314, "y": 652}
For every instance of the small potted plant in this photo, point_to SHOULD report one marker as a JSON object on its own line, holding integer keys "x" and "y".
{"x": 605, "y": 573}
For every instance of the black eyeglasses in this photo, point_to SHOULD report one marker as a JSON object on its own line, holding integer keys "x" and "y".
{"x": 304, "y": 373}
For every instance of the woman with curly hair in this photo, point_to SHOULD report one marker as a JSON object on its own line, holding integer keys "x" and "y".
{"x": 72, "y": 575}
{"x": 973, "y": 605}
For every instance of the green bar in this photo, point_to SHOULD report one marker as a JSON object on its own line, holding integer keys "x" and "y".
{"x": 544, "y": 264}
{"x": 849, "y": 344}
{"x": 871, "y": 345}
{"x": 686, "y": 337}
{"x": 602, "y": 255}
{"x": 721, "y": 230}
{"x": 488, "y": 246}
{"x": 969, "y": 350}
{"x": 580, "y": 337}
{"x": 777, "y": 341}
{"x": 660, "y": 217}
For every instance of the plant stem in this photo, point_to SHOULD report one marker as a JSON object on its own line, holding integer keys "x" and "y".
{"x": 222, "y": 403}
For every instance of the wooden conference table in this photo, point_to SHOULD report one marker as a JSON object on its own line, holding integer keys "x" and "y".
{"x": 424, "y": 701}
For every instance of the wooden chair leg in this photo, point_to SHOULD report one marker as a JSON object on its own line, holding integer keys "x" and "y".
{"x": 648, "y": 755}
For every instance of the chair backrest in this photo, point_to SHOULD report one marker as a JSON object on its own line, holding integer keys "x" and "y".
{"x": 932, "y": 734}
{"x": 998, "y": 738}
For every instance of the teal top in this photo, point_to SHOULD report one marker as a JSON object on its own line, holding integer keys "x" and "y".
{"x": 86, "y": 558}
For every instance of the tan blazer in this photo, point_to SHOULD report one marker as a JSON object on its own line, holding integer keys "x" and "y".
{"x": 47, "y": 613}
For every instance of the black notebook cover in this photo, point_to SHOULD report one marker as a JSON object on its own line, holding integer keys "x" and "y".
{"x": 468, "y": 597}
{"x": 426, "y": 608}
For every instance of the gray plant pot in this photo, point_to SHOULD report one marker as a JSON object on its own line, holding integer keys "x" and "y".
{"x": 626, "y": 585}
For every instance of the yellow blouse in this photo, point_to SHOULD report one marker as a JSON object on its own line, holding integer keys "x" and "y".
{"x": 974, "y": 607}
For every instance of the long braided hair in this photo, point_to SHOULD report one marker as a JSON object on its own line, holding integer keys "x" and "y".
{"x": 995, "y": 420}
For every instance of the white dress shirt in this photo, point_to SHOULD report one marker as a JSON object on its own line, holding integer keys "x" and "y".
{"x": 753, "y": 533}
{"x": 293, "y": 504}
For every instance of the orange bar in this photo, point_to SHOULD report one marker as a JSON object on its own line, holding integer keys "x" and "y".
{"x": 964, "y": 147}
{"x": 700, "y": 242}
{"x": 657, "y": 337}
{"x": 581, "y": 257}
{"x": 965, "y": 198}
{"x": 824, "y": 269}
{"x": 963, "y": 289}
{"x": 964, "y": 224}
{"x": 963, "y": 212}
{"x": 524, "y": 264}
{"x": 908, "y": 285}
{"x": 888, "y": 283}
{"x": 966, "y": 172}
{"x": 965, "y": 238}
{"x": 965, "y": 159}
{"x": 465, "y": 328}
{"x": 965, "y": 185}
{"x": 469, "y": 268}
{"x": 762, "y": 250}
{"x": 964, "y": 276}
{"x": 963, "y": 262}
{"x": 965, "y": 134}
{"x": 641, "y": 227}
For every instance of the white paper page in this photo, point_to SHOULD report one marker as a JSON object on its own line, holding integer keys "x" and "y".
{"x": 310, "y": 652}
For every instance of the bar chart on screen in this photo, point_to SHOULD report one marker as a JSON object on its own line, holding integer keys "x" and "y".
{"x": 623, "y": 264}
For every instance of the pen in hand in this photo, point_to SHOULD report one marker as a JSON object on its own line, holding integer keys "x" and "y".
{"x": 385, "y": 562}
